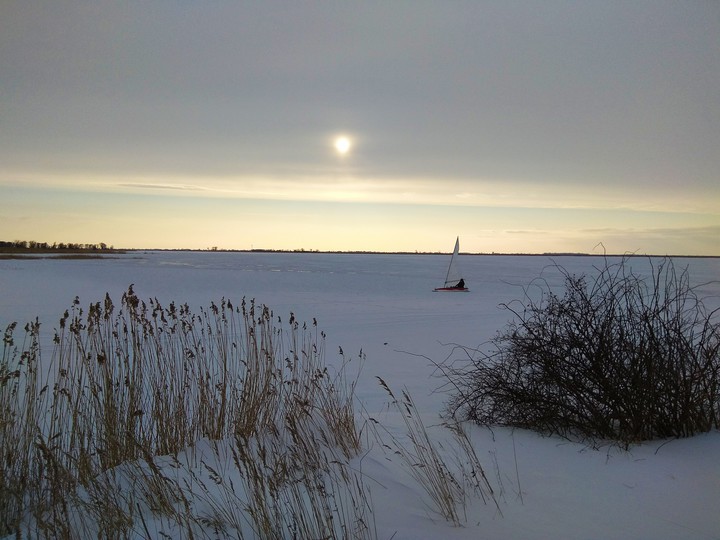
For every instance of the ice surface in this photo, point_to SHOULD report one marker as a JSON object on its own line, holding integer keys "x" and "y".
{"x": 384, "y": 305}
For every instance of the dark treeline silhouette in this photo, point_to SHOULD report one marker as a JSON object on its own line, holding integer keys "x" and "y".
{"x": 59, "y": 246}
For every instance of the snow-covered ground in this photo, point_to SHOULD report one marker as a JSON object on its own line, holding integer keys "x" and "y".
{"x": 383, "y": 305}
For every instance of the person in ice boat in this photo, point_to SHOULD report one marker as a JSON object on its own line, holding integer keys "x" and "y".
{"x": 460, "y": 284}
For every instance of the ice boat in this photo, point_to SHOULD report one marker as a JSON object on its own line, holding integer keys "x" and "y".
{"x": 454, "y": 281}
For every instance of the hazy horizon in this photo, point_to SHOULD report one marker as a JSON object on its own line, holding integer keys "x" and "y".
{"x": 44, "y": 247}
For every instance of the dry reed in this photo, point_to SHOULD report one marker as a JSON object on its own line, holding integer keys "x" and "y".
{"x": 127, "y": 384}
{"x": 152, "y": 421}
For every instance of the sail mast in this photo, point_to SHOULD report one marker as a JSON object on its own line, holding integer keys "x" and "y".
{"x": 451, "y": 266}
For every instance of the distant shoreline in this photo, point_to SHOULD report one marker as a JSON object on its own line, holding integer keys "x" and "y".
{"x": 63, "y": 256}
{"x": 79, "y": 254}
{"x": 445, "y": 253}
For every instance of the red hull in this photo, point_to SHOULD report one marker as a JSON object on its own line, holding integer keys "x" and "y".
{"x": 451, "y": 289}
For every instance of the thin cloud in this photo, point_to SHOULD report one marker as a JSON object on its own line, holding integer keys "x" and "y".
{"x": 172, "y": 187}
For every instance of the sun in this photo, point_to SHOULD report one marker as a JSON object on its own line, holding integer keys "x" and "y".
{"x": 342, "y": 145}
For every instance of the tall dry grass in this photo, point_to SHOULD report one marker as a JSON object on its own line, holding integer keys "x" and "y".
{"x": 153, "y": 421}
{"x": 128, "y": 383}
{"x": 448, "y": 488}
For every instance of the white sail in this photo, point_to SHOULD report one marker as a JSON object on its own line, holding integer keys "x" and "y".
{"x": 453, "y": 277}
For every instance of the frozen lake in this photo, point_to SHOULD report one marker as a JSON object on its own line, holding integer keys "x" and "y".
{"x": 384, "y": 305}
{"x": 380, "y": 303}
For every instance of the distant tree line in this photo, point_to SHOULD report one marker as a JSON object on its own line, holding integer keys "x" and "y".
{"x": 60, "y": 246}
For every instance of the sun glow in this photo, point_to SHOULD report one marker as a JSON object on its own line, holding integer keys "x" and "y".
{"x": 342, "y": 145}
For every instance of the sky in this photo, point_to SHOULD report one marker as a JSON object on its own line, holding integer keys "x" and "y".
{"x": 520, "y": 126}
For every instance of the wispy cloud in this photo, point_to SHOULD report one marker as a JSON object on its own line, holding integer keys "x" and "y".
{"x": 172, "y": 187}
{"x": 447, "y": 192}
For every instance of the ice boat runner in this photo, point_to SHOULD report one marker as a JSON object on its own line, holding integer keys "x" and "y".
{"x": 454, "y": 280}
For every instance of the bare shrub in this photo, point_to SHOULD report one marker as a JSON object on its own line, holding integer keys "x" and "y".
{"x": 616, "y": 356}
